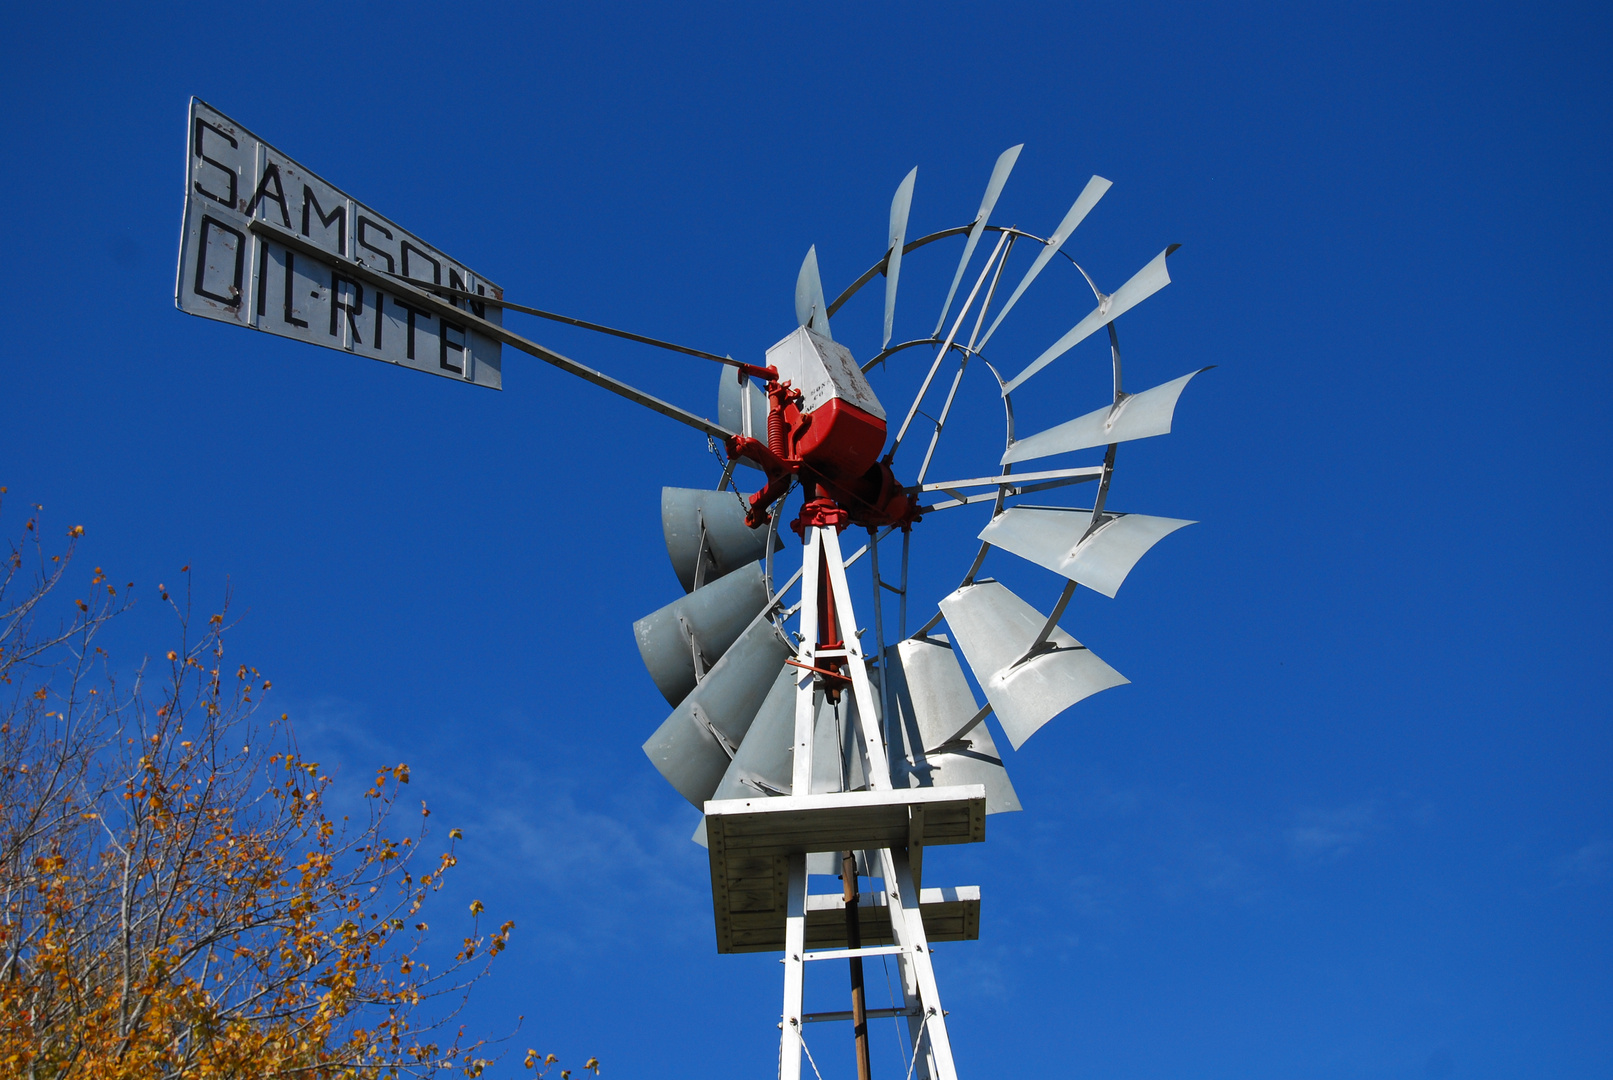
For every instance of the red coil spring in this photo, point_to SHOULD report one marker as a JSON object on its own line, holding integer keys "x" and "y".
{"x": 775, "y": 429}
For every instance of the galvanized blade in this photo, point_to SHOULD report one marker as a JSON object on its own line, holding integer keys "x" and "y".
{"x": 994, "y": 628}
{"x": 706, "y": 534}
{"x": 762, "y": 764}
{"x": 1053, "y": 537}
{"x": 933, "y": 703}
{"x": 764, "y": 761}
{"x": 900, "y": 205}
{"x": 742, "y": 407}
{"x": 1083, "y": 205}
{"x": 1138, "y": 416}
{"x": 694, "y": 746}
{"x": 994, "y": 188}
{"x": 810, "y": 310}
{"x": 681, "y": 642}
{"x": 1143, "y": 284}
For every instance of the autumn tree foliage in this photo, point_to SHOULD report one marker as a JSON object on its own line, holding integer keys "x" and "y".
{"x": 177, "y": 896}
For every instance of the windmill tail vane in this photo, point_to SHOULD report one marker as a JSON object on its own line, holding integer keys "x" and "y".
{"x": 807, "y": 754}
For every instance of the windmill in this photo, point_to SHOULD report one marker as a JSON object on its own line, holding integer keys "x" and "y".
{"x": 808, "y": 751}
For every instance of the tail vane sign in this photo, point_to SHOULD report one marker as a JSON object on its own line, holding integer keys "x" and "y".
{"x": 237, "y": 274}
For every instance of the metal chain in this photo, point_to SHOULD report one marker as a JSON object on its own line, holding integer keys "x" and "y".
{"x": 733, "y": 485}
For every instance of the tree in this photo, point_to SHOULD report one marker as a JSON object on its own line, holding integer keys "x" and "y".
{"x": 175, "y": 898}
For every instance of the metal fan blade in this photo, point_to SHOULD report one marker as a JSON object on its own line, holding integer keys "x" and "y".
{"x": 810, "y": 310}
{"x": 994, "y": 188}
{"x": 1052, "y": 537}
{"x": 931, "y": 741}
{"x": 994, "y": 628}
{"x": 1138, "y": 416}
{"x": 742, "y": 407}
{"x": 1083, "y": 205}
{"x": 900, "y": 205}
{"x": 706, "y": 530}
{"x": 761, "y": 765}
{"x": 703, "y": 624}
{"x": 1143, "y": 284}
{"x": 694, "y": 746}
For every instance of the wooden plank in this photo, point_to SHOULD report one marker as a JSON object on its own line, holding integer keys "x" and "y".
{"x": 841, "y": 821}
{"x": 951, "y": 914}
{"x": 750, "y": 840}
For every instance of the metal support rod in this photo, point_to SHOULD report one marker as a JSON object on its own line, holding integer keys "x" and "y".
{"x": 969, "y": 725}
{"x": 1102, "y": 496}
{"x": 702, "y": 553}
{"x": 963, "y": 362}
{"x": 1047, "y": 627}
{"x": 1006, "y": 479}
{"x": 583, "y": 324}
{"x": 772, "y": 546}
{"x": 952, "y": 334}
{"x": 441, "y": 308}
{"x": 873, "y": 1014}
{"x": 1114, "y": 352}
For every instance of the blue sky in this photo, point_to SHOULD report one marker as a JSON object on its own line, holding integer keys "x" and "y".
{"x": 1352, "y": 817}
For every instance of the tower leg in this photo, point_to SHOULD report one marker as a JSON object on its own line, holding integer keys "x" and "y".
{"x": 877, "y": 766}
{"x": 794, "y": 970}
{"x": 929, "y": 1028}
{"x": 933, "y": 1047}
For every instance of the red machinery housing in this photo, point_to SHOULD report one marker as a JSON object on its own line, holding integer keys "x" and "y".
{"x": 825, "y": 425}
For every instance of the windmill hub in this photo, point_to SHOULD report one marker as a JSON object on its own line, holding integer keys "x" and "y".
{"x": 826, "y": 427}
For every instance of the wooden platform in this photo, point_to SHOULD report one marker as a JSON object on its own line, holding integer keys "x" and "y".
{"x": 750, "y": 840}
{"x": 950, "y": 914}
